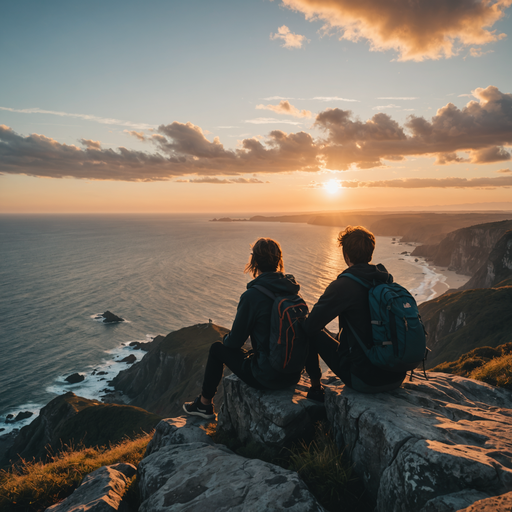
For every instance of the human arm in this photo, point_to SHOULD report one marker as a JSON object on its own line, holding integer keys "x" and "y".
{"x": 243, "y": 323}
{"x": 328, "y": 307}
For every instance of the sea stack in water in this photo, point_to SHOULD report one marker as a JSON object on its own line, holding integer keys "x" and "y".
{"x": 74, "y": 378}
{"x": 110, "y": 318}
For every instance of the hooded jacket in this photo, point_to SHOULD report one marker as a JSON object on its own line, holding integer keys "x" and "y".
{"x": 348, "y": 300}
{"x": 253, "y": 320}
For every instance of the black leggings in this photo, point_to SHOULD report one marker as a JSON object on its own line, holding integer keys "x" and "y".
{"x": 238, "y": 361}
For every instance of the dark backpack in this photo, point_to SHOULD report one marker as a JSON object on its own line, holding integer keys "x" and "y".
{"x": 399, "y": 337}
{"x": 288, "y": 344}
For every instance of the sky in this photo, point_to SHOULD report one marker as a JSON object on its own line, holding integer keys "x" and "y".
{"x": 254, "y": 106}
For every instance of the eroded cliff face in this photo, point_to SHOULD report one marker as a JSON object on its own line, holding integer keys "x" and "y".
{"x": 497, "y": 268}
{"x": 466, "y": 249}
{"x": 172, "y": 371}
{"x": 459, "y": 322}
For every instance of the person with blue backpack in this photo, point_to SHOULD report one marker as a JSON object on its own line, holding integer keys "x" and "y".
{"x": 380, "y": 336}
{"x": 271, "y": 304}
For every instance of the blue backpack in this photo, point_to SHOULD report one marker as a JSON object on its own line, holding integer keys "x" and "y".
{"x": 399, "y": 337}
{"x": 288, "y": 344}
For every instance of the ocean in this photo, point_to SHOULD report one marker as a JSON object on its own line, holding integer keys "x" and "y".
{"x": 159, "y": 272}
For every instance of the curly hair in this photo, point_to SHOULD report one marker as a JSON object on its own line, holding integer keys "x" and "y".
{"x": 358, "y": 244}
{"x": 266, "y": 256}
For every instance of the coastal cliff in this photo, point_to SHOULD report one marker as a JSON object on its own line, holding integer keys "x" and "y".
{"x": 465, "y": 250}
{"x": 497, "y": 270}
{"x": 172, "y": 370}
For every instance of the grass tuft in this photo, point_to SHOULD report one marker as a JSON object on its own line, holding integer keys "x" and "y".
{"x": 327, "y": 472}
{"x": 32, "y": 486}
{"x": 497, "y": 372}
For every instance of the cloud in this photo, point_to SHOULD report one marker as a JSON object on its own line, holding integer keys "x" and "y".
{"x": 87, "y": 117}
{"x": 273, "y": 98}
{"x": 290, "y": 39}
{"x": 504, "y": 181}
{"x": 505, "y": 171}
{"x": 138, "y": 135}
{"x": 333, "y": 98}
{"x": 218, "y": 181}
{"x": 480, "y": 133}
{"x": 91, "y": 144}
{"x": 384, "y": 107}
{"x": 423, "y": 29}
{"x": 270, "y": 120}
{"x": 397, "y": 98}
{"x": 285, "y": 107}
{"x": 181, "y": 150}
{"x": 478, "y": 52}
{"x": 482, "y": 128}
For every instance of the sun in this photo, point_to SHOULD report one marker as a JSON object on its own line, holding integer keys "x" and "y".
{"x": 332, "y": 186}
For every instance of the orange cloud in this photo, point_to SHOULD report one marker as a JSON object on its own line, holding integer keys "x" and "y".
{"x": 423, "y": 29}
{"x": 91, "y": 144}
{"x": 218, "y": 181}
{"x": 290, "y": 40}
{"x": 285, "y": 107}
{"x": 505, "y": 181}
{"x": 138, "y": 135}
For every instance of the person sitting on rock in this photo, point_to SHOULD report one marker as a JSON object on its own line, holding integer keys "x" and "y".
{"x": 252, "y": 321}
{"x": 348, "y": 300}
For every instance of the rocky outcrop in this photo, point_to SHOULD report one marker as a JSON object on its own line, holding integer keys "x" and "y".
{"x": 172, "y": 371}
{"x": 497, "y": 268}
{"x": 436, "y": 445}
{"x": 270, "y": 418}
{"x": 462, "y": 321}
{"x": 428, "y": 439}
{"x": 100, "y": 491}
{"x": 74, "y": 378}
{"x": 110, "y": 318}
{"x": 465, "y": 250}
{"x": 184, "y": 470}
{"x": 73, "y": 419}
{"x": 128, "y": 359}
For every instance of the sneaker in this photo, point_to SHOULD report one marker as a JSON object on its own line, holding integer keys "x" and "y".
{"x": 316, "y": 394}
{"x": 196, "y": 408}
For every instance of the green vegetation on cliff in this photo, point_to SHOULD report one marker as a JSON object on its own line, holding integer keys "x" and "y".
{"x": 487, "y": 364}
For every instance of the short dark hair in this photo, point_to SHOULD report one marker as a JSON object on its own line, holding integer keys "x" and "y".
{"x": 266, "y": 256}
{"x": 358, "y": 244}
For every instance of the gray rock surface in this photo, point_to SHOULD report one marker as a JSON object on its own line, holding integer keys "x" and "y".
{"x": 453, "y": 502}
{"x": 100, "y": 491}
{"x": 272, "y": 418}
{"x": 180, "y": 430}
{"x": 501, "y": 503}
{"x": 181, "y": 473}
{"x": 427, "y": 439}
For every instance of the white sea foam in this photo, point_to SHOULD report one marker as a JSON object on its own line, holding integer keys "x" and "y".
{"x": 92, "y": 387}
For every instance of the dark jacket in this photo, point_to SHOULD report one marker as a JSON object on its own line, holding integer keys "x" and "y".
{"x": 253, "y": 320}
{"x": 348, "y": 300}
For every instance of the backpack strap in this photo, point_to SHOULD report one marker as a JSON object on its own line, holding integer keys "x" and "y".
{"x": 366, "y": 284}
{"x": 265, "y": 291}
